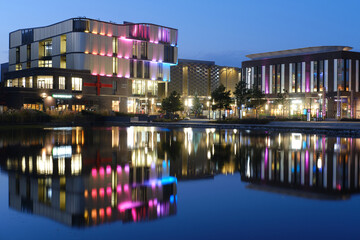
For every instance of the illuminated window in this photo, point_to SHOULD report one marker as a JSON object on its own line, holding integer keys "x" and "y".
{"x": 45, "y": 63}
{"x": 18, "y": 67}
{"x": 115, "y": 106}
{"x": 47, "y": 48}
{"x": 9, "y": 83}
{"x": 138, "y": 87}
{"x": 76, "y": 84}
{"x": 45, "y": 82}
{"x": 115, "y": 45}
{"x": 115, "y": 65}
{"x": 61, "y": 82}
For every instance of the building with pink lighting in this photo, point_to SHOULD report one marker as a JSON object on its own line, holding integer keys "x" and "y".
{"x": 323, "y": 81}
{"x": 82, "y": 63}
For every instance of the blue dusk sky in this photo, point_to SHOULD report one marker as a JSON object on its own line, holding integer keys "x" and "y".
{"x": 222, "y": 31}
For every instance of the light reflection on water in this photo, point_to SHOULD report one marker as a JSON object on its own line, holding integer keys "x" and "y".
{"x": 87, "y": 177}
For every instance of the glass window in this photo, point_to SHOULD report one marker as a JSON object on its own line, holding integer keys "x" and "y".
{"x": 134, "y": 50}
{"x": 138, "y": 87}
{"x": 160, "y": 74}
{"x": 340, "y": 74}
{"x": 29, "y": 82}
{"x": 45, "y": 63}
{"x": 347, "y": 64}
{"x": 18, "y": 67}
{"x": 152, "y": 88}
{"x": 47, "y": 48}
{"x": 61, "y": 82}
{"x": 321, "y": 75}
{"x": 298, "y": 77}
{"x": 115, "y": 65}
{"x": 9, "y": 83}
{"x": 315, "y": 76}
{"x": 273, "y": 79}
{"x": 293, "y": 77}
{"x": 143, "y": 50}
{"x": 278, "y": 78}
{"x": 115, "y": 45}
{"x": 146, "y": 70}
{"x": 76, "y": 84}
{"x": 139, "y": 69}
{"x": 115, "y": 106}
{"x": 45, "y": 82}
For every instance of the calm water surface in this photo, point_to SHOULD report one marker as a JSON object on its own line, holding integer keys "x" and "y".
{"x": 183, "y": 183}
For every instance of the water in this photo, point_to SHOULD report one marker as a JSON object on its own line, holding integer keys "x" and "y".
{"x": 152, "y": 183}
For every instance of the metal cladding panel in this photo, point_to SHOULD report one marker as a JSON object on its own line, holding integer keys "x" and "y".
{"x": 12, "y": 56}
{"x": 53, "y": 30}
{"x": 15, "y": 39}
{"x": 34, "y": 50}
{"x": 100, "y": 64}
{"x": 123, "y": 67}
{"x": 34, "y": 64}
{"x": 125, "y": 48}
{"x": 155, "y": 52}
{"x": 56, "y": 45}
{"x": 173, "y": 37}
{"x": 56, "y": 62}
{"x": 11, "y": 68}
{"x": 153, "y": 70}
{"x": 76, "y": 61}
{"x": 77, "y": 42}
{"x": 23, "y": 53}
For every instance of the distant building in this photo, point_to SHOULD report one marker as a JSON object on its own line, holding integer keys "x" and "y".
{"x": 83, "y": 63}
{"x": 321, "y": 80}
{"x": 192, "y": 77}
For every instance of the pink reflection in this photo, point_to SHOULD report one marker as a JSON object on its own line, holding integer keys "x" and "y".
{"x": 128, "y": 205}
{"x": 127, "y": 169}
{"x": 119, "y": 169}
{"x": 151, "y": 204}
{"x": 108, "y": 169}
{"x": 108, "y": 211}
{"x": 93, "y": 172}
{"x": 93, "y": 193}
{"x": 118, "y": 188}
{"x": 101, "y": 171}
{"x": 126, "y": 187}
{"x": 108, "y": 191}
{"x": 101, "y": 192}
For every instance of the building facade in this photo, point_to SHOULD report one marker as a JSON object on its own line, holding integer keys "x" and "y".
{"x": 317, "y": 81}
{"x": 83, "y": 63}
{"x": 190, "y": 77}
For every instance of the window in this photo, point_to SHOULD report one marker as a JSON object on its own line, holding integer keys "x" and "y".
{"x": 29, "y": 82}
{"x": 134, "y": 49}
{"x": 45, "y": 82}
{"x": 143, "y": 50}
{"x": 152, "y": 88}
{"x": 278, "y": 78}
{"x": 61, "y": 82}
{"x": 115, "y": 65}
{"x": 321, "y": 75}
{"x": 160, "y": 71}
{"x": 115, "y": 106}
{"x": 139, "y": 69}
{"x": 273, "y": 79}
{"x": 76, "y": 84}
{"x": 63, "y": 61}
{"x": 63, "y": 44}
{"x": 17, "y": 55}
{"x": 9, "y": 83}
{"x": 45, "y": 63}
{"x": 48, "y": 48}
{"x": 81, "y": 25}
{"x": 315, "y": 76}
{"x": 340, "y": 74}
{"x": 131, "y": 68}
{"x": 115, "y": 45}
{"x": 298, "y": 77}
{"x": 28, "y": 52}
{"x": 138, "y": 87}
{"x": 22, "y": 82}
{"x": 293, "y": 77}
{"x": 18, "y": 67}
{"x": 146, "y": 70}
{"x": 169, "y": 54}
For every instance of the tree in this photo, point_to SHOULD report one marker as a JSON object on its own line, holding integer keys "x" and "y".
{"x": 221, "y": 97}
{"x": 172, "y": 103}
{"x": 197, "y": 106}
{"x": 242, "y": 95}
{"x": 282, "y": 99}
{"x": 257, "y": 99}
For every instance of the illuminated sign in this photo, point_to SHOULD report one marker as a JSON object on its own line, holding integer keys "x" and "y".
{"x": 62, "y": 96}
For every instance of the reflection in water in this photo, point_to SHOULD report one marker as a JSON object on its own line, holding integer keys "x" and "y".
{"x": 302, "y": 164}
{"x": 86, "y": 177}
{"x": 61, "y": 177}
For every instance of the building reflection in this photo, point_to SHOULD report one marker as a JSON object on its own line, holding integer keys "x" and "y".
{"x": 303, "y": 165}
{"x": 82, "y": 178}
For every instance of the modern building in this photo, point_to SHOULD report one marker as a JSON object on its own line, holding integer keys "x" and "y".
{"x": 190, "y": 77}
{"x": 83, "y": 63}
{"x": 323, "y": 81}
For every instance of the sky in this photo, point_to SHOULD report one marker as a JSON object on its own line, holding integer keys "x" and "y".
{"x": 224, "y": 31}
